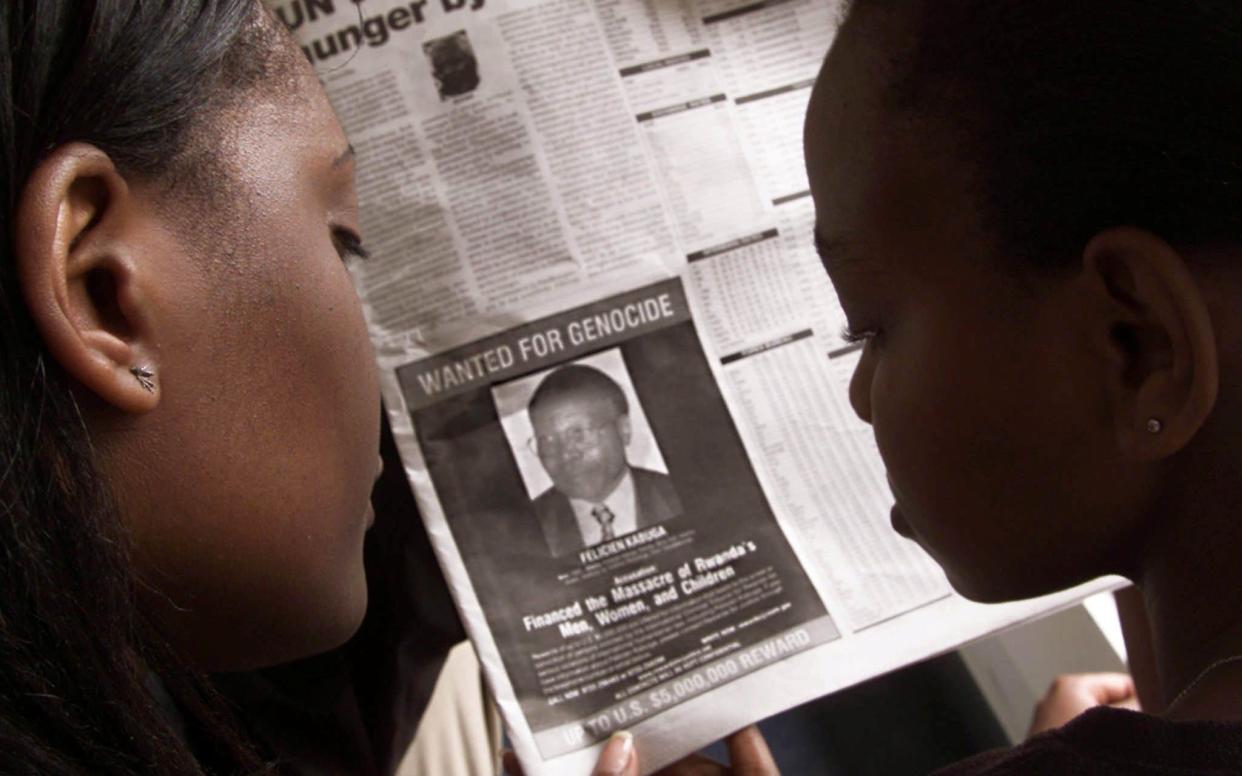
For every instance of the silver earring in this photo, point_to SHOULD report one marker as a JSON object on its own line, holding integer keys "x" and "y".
{"x": 1154, "y": 426}
{"x": 143, "y": 376}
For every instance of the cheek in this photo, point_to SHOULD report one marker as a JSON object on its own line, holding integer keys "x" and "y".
{"x": 272, "y": 437}
{"x": 954, "y": 423}
{"x": 552, "y": 465}
{"x": 322, "y": 442}
{"x": 330, "y": 415}
{"x": 612, "y": 452}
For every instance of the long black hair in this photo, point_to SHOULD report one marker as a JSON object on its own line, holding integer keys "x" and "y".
{"x": 1085, "y": 115}
{"x": 77, "y": 659}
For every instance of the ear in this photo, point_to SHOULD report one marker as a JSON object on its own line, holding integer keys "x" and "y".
{"x": 79, "y": 270}
{"x": 1156, "y": 329}
{"x": 623, "y": 426}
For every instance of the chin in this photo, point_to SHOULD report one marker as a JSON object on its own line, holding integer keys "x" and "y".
{"x": 980, "y": 593}
{"x": 342, "y": 622}
{"x": 332, "y": 630}
{"x": 311, "y": 627}
{"x": 1004, "y": 588}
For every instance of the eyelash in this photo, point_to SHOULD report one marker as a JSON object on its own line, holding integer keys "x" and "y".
{"x": 349, "y": 245}
{"x": 850, "y": 336}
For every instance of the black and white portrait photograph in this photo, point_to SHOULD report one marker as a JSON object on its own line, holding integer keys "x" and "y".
{"x": 586, "y": 452}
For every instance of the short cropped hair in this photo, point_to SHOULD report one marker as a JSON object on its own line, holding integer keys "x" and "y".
{"x": 1082, "y": 116}
{"x": 575, "y": 381}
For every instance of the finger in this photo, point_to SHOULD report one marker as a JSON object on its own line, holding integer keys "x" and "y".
{"x": 749, "y": 754}
{"x": 512, "y": 766}
{"x": 1110, "y": 688}
{"x": 694, "y": 765}
{"x": 617, "y": 758}
{"x": 1131, "y": 703}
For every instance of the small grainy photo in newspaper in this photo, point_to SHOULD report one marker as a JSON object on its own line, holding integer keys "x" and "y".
{"x": 622, "y": 550}
{"x": 453, "y": 64}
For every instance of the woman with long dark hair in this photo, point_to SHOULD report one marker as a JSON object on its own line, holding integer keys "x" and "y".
{"x": 188, "y": 399}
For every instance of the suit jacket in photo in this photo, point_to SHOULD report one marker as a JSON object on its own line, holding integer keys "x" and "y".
{"x": 655, "y": 501}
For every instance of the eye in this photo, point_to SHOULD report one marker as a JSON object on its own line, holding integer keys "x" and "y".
{"x": 853, "y": 336}
{"x": 821, "y": 245}
{"x": 349, "y": 245}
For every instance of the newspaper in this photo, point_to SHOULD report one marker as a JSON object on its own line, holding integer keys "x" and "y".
{"x": 612, "y": 361}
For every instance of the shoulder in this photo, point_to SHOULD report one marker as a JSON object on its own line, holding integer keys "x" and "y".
{"x": 657, "y": 498}
{"x": 649, "y": 478}
{"x": 1036, "y": 756}
{"x": 1111, "y": 742}
{"x": 550, "y": 500}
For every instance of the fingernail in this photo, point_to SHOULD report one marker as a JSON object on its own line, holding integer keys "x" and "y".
{"x": 617, "y": 753}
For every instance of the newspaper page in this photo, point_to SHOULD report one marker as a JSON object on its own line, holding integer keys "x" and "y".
{"x": 612, "y": 361}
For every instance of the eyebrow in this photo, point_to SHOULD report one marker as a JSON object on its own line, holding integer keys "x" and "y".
{"x": 833, "y": 249}
{"x": 344, "y": 156}
{"x": 840, "y": 253}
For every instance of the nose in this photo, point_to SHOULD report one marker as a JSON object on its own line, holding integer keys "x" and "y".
{"x": 860, "y": 385}
{"x": 569, "y": 450}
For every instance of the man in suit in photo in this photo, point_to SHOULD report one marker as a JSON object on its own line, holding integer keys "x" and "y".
{"x": 581, "y": 421}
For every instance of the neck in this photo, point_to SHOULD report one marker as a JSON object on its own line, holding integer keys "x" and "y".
{"x": 608, "y": 489}
{"x": 1192, "y": 588}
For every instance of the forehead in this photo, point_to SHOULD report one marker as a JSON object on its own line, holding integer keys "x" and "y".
{"x": 585, "y": 403}
{"x": 851, "y": 80}
{"x": 849, "y": 125}
{"x": 290, "y": 122}
{"x": 258, "y": 152}
{"x": 887, "y": 183}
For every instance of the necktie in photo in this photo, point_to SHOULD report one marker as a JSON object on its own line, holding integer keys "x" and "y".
{"x": 604, "y": 516}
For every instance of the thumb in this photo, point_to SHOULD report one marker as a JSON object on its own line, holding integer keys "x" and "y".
{"x": 617, "y": 757}
{"x": 511, "y": 765}
{"x": 749, "y": 754}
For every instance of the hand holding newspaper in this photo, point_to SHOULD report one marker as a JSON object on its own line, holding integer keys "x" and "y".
{"x": 611, "y": 362}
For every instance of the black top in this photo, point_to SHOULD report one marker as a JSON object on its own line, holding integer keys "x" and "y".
{"x": 1112, "y": 741}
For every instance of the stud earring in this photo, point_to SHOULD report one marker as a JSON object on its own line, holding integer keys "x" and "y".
{"x": 1154, "y": 426}
{"x": 143, "y": 376}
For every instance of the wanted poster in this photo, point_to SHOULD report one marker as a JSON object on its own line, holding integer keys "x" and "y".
{"x": 623, "y": 553}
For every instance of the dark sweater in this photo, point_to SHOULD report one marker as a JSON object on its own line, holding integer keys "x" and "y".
{"x": 1112, "y": 741}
